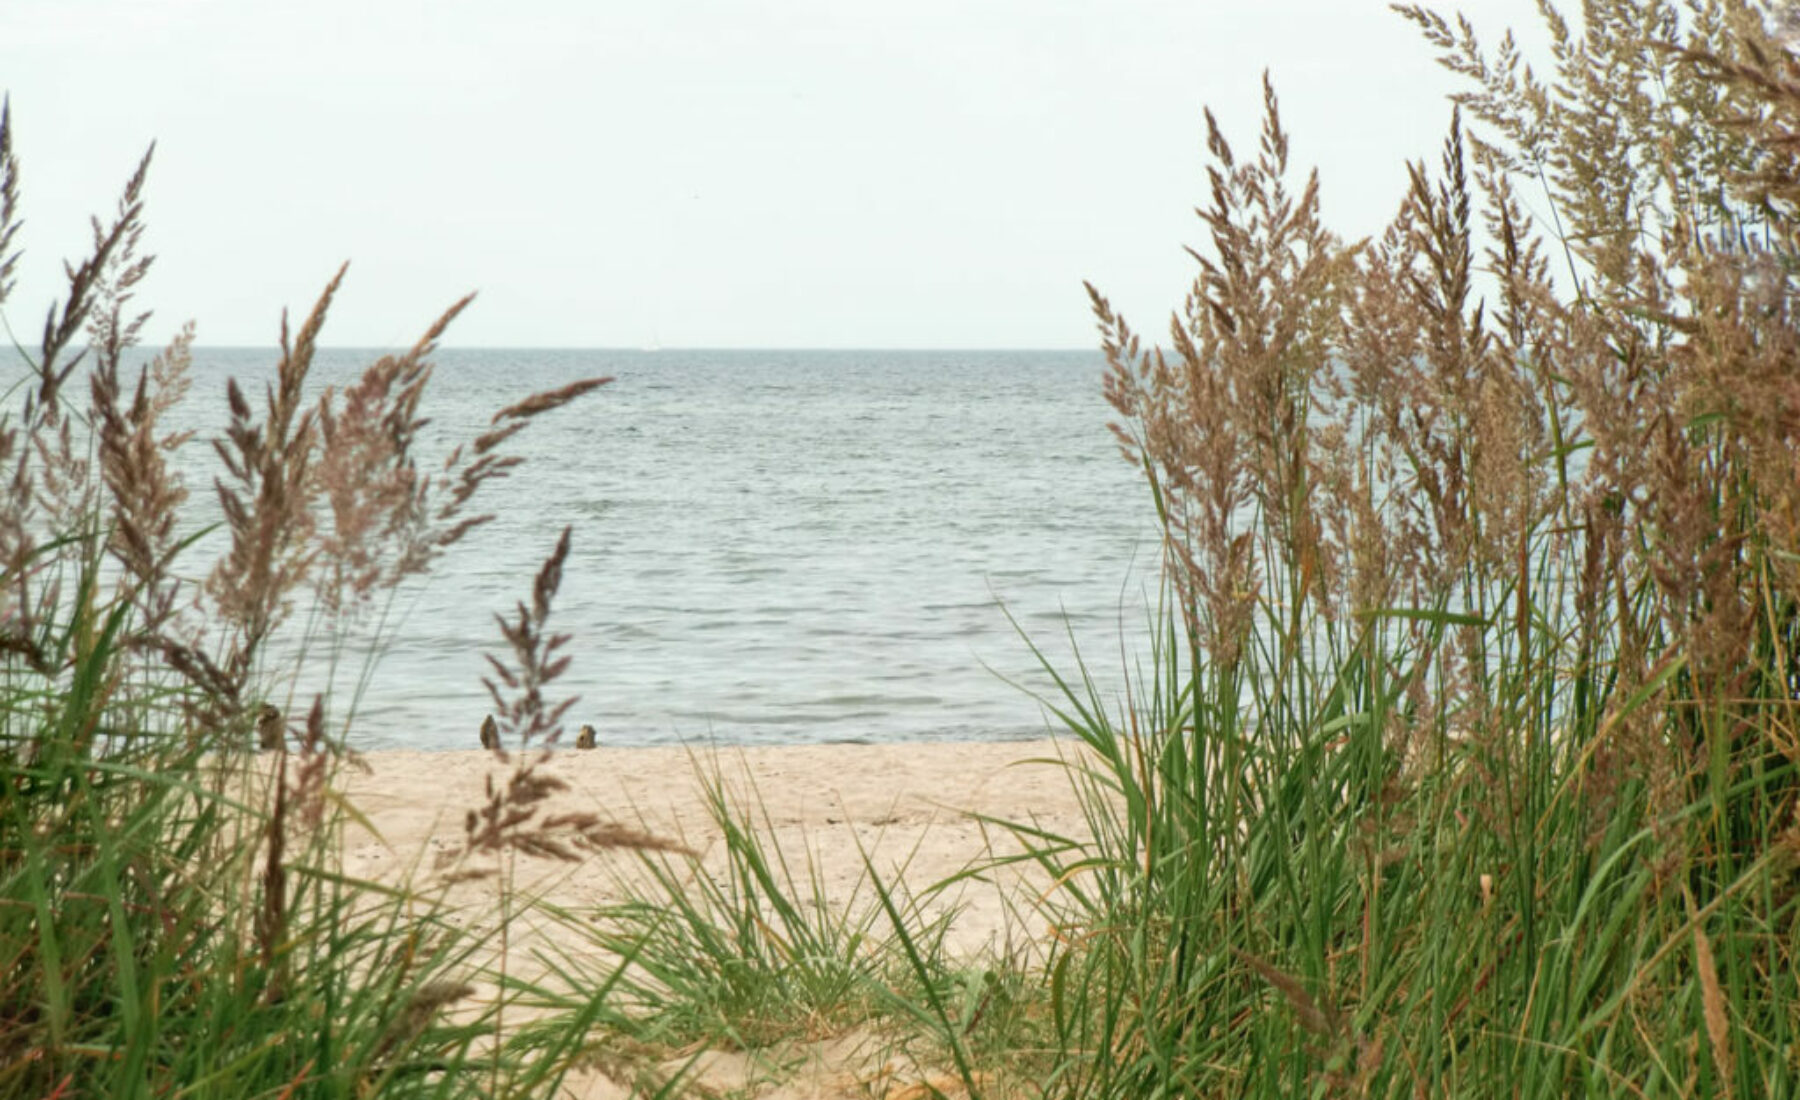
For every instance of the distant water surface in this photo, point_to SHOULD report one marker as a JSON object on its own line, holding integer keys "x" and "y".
{"x": 769, "y": 546}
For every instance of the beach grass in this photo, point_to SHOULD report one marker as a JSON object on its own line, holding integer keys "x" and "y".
{"x": 175, "y": 918}
{"x": 1462, "y": 762}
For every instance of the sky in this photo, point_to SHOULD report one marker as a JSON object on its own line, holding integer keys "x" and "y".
{"x": 689, "y": 173}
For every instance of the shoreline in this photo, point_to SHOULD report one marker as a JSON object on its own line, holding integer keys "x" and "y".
{"x": 907, "y": 806}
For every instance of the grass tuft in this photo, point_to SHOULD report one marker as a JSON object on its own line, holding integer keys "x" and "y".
{"x": 174, "y": 914}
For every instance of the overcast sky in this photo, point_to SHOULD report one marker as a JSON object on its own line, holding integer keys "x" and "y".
{"x": 699, "y": 173}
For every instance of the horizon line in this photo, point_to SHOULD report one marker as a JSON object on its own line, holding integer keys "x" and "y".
{"x": 639, "y": 350}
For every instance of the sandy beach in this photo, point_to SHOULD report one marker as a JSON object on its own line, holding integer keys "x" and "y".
{"x": 913, "y": 808}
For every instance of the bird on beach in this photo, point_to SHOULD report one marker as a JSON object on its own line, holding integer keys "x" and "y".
{"x": 587, "y": 738}
{"x": 490, "y": 733}
{"x": 270, "y": 731}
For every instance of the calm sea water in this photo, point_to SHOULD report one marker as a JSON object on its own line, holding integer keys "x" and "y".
{"x": 779, "y": 546}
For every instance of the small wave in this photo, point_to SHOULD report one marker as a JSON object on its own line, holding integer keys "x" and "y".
{"x": 723, "y": 718}
{"x": 870, "y": 700}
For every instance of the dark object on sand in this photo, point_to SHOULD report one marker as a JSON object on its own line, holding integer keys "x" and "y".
{"x": 271, "y": 732}
{"x": 587, "y": 738}
{"x": 490, "y": 733}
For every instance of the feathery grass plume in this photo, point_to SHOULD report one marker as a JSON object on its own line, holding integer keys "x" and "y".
{"x": 1383, "y": 534}
{"x": 330, "y": 495}
{"x": 1520, "y": 817}
{"x": 110, "y": 330}
{"x": 163, "y": 900}
{"x": 146, "y": 492}
{"x": 528, "y": 716}
{"x": 1199, "y": 477}
{"x": 50, "y": 495}
{"x": 1224, "y": 428}
{"x": 367, "y": 476}
{"x": 509, "y": 820}
{"x": 384, "y": 527}
{"x": 9, "y": 201}
{"x": 265, "y": 497}
{"x": 96, "y": 277}
{"x": 463, "y": 475}
{"x": 513, "y": 819}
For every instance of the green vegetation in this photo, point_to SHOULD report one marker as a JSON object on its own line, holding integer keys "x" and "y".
{"x": 174, "y": 918}
{"x": 1464, "y": 763}
{"x": 1467, "y": 765}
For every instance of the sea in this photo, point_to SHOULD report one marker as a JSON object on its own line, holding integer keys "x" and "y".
{"x": 767, "y": 546}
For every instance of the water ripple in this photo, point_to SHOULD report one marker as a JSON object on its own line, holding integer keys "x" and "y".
{"x": 769, "y": 546}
